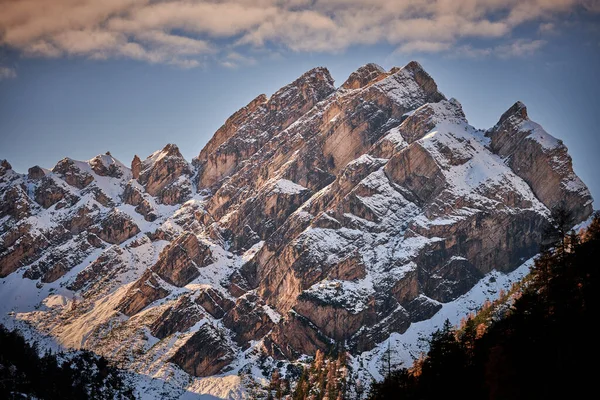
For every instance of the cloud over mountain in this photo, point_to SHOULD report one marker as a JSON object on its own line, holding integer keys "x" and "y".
{"x": 184, "y": 32}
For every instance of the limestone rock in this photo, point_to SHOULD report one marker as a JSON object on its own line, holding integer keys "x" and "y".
{"x": 541, "y": 160}
{"x": 4, "y": 167}
{"x": 142, "y": 293}
{"x": 136, "y": 167}
{"x": 163, "y": 168}
{"x": 106, "y": 165}
{"x": 179, "y": 263}
{"x": 250, "y": 128}
{"x": 15, "y": 203}
{"x": 134, "y": 196}
{"x": 35, "y": 173}
{"x": 72, "y": 174}
{"x": 248, "y": 319}
{"x": 204, "y": 353}
{"x": 415, "y": 169}
{"x": 177, "y": 318}
{"x": 51, "y": 192}
{"x": 363, "y": 76}
{"x": 116, "y": 228}
{"x": 294, "y": 336}
{"x": 214, "y": 302}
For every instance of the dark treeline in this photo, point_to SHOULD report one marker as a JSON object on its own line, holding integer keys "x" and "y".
{"x": 538, "y": 342}
{"x": 81, "y": 375}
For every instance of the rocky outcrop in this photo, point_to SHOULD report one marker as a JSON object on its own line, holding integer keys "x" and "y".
{"x": 415, "y": 169}
{"x": 116, "y": 228}
{"x": 204, "y": 353}
{"x": 81, "y": 219}
{"x": 4, "y": 167}
{"x": 177, "y": 318}
{"x": 35, "y": 173}
{"x": 103, "y": 266}
{"x": 176, "y": 193}
{"x": 142, "y": 293}
{"x": 19, "y": 247}
{"x": 251, "y": 127}
{"x": 541, "y": 160}
{"x": 134, "y": 196}
{"x": 248, "y": 319}
{"x": 294, "y": 336}
{"x": 15, "y": 203}
{"x": 259, "y": 217}
{"x": 136, "y": 167}
{"x": 338, "y": 320}
{"x": 106, "y": 165}
{"x": 179, "y": 263}
{"x": 214, "y": 302}
{"x": 72, "y": 174}
{"x": 365, "y": 75}
{"x": 53, "y": 265}
{"x": 162, "y": 169}
{"x": 50, "y": 192}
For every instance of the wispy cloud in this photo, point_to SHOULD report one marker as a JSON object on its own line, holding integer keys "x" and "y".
{"x": 7, "y": 73}
{"x": 182, "y": 32}
{"x": 519, "y": 48}
{"x": 515, "y": 48}
{"x": 423, "y": 46}
{"x": 547, "y": 28}
{"x": 235, "y": 60}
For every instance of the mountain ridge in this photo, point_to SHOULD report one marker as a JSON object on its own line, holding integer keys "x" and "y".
{"x": 316, "y": 217}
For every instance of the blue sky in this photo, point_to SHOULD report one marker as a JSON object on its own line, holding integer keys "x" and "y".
{"x": 79, "y": 78}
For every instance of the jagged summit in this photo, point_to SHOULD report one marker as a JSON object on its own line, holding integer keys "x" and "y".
{"x": 516, "y": 111}
{"x": 316, "y": 216}
{"x": 363, "y": 76}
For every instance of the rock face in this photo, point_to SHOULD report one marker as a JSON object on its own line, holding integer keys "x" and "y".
{"x": 248, "y": 319}
{"x": 541, "y": 160}
{"x": 251, "y": 127}
{"x": 116, "y": 228}
{"x": 136, "y": 167}
{"x": 177, "y": 318}
{"x": 314, "y": 217}
{"x": 36, "y": 172}
{"x": 72, "y": 174}
{"x": 178, "y": 263}
{"x": 204, "y": 353}
{"x": 163, "y": 175}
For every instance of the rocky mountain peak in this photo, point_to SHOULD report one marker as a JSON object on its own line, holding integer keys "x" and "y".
{"x": 165, "y": 174}
{"x": 107, "y": 165}
{"x": 4, "y": 166}
{"x": 541, "y": 160}
{"x": 364, "y": 75}
{"x": 319, "y": 216}
{"x": 517, "y": 112}
{"x": 422, "y": 78}
{"x": 254, "y": 125}
{"x": 36, "y": 172}
{"x": 312, "y": 86}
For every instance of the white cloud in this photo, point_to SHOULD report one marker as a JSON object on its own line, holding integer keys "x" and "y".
{"x": 180, "y": 32}
{"x": 7, "y": 73}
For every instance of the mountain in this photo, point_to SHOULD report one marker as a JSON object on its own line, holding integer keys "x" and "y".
{"x": 318, "y": 217}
